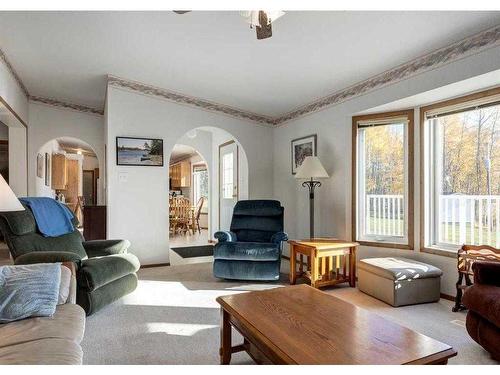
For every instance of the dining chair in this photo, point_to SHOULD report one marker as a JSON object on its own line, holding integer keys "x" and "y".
{"x": 197, "y": 214}
{"x": 180, "y": 215}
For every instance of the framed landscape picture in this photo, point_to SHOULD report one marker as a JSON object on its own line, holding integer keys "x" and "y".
{"x": 139, "y": 151}
{"x": 39, "y": 165}
{"x": 47, "y": 169}
{"x": 302, "y": 147}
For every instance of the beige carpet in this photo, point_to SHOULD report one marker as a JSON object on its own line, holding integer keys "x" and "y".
{"x": 172, "y": 318}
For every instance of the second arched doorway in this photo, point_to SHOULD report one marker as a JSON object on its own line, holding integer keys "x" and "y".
{"x": 67, "y": 169}
{"x": 206, "y": 164}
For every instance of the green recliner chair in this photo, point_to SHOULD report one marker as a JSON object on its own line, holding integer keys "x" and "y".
{"x": 105, "y": 271}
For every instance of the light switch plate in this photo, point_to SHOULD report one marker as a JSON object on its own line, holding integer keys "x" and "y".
{"x": 123, "y": 177}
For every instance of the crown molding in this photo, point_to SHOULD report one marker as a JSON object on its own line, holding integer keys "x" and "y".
{"x": 466, "y": 47}
{"x": 188, "y": 100}
{"x": 66, "y": 105}
{"x": 13, "y": 73}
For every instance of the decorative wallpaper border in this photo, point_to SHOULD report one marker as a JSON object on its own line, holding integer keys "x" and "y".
{"x": 456, "y": 51}
{"x": 13, "y": 72}
{"x": 66, "y": 105}
{"x": 466, "y": 47}
{"x": 188, "y": 100}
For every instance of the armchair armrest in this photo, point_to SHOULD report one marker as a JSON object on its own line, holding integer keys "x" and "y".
{"x": 225, "y": 236}
{"x": 486, "y": 272}
{"x": 279, "y": 237}
{"x": 72, "y": 284}
{"x": 47, "y": 257}
{"x": 99, "y": 248}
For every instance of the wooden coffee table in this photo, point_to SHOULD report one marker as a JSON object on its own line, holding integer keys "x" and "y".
{"x": 330, "y": 261}
{"x": 303, "y": 325}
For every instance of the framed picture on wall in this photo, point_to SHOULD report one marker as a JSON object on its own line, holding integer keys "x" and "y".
{"x": 48, "y": 170}
{"x": 39, "y": 166}
{"x": 301, "y": 148}
{"x": 139, "y": 151}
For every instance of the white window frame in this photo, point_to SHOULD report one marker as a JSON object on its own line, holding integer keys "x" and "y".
{"x": 358, "y": 194}
{"x": 431, "y": 160}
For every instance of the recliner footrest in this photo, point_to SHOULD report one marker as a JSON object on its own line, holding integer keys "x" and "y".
{"x": 109, "y": 293}
{"x": 249, "y": 251}
{"x": 96, "y": 272}
{"x": 246, "y": 270}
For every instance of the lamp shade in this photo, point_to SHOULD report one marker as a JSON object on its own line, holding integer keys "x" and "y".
{"x": 311, "y": 167}
{"x": 8, "y": 200}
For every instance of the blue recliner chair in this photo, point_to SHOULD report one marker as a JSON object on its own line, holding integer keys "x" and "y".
{"x": 251, "y": 250}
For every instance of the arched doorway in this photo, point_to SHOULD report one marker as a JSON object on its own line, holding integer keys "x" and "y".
{"x": 67, "y": 169}
{"x": 200, "y": 170}
{"x": 188, "y": 197}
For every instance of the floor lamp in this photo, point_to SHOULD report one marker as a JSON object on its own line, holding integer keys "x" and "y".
{"x": 311, "y": 169}
{"x": 8, "y": 200}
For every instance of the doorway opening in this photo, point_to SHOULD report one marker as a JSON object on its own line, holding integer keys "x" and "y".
{"x": 208, "y": 173}
{"x": 188, "y": 198}
{"x": 68, "y": 170}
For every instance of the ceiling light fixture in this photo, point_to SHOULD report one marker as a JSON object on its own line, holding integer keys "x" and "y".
{"x": 261, "y": 20}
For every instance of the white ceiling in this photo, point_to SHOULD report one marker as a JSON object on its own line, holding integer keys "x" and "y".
{"x": 215, "y": 56}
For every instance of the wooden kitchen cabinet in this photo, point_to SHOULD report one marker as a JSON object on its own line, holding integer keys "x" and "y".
{"x": 59, "y": 178}
{"x": 180, "y": 173}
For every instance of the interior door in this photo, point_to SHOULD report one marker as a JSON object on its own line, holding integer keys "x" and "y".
{"x": 228, "y": 182}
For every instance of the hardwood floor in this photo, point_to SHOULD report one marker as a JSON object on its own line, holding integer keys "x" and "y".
{"x": 189, "y": 239}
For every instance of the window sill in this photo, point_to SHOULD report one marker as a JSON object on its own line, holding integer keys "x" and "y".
{"x": 389, "y": 245}
{"x": 441, "y": 252}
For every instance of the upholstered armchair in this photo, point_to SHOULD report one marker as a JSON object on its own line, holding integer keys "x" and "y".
{"x": 105, "y": 271}
{"x": 483, "y": 301}
{"x": 251, "y": 250}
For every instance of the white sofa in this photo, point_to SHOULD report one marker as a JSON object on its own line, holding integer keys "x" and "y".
{"x": 47, "y": 340}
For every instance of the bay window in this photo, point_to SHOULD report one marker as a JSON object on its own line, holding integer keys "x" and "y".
{"x": 382, "y": 171}
{"x": 461, "y": 172}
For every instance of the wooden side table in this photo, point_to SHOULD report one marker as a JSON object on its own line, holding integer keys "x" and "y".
{"x": 327, "y": 261}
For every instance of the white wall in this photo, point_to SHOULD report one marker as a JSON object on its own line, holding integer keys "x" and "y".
{"x": 90, "y": 162}
{"x": 333, "y": 127}
{"x": 18, "y": 179}
{"x": 48, "y": 123}
{"x": 138, "y": 196}
{"x": 12, "y": 93}
{"x": 41, "y": 190}
{"x": 220, "y": 137}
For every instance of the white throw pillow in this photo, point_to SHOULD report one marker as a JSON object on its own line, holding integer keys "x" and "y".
{"x": 64, "y": 286}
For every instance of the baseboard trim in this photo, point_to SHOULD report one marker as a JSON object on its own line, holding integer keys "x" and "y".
{"x": 448, "y": 297}
{"x": 155, "y": 265}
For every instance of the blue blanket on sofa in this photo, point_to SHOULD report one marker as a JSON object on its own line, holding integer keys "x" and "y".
{"x": 52, "y": 218}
